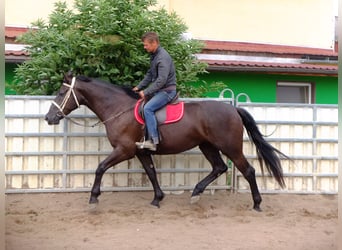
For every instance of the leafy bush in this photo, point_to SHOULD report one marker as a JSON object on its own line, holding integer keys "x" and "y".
{"x": 102, "y": 39}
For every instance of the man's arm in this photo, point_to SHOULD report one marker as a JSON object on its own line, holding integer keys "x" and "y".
{"x": 163, "y": 70}
{"x": 146, "y": 81}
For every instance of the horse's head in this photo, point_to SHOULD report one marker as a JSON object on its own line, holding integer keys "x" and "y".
{"x": 65, "y": 101}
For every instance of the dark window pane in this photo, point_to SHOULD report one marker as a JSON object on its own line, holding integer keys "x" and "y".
{"x": 293, "y": 94}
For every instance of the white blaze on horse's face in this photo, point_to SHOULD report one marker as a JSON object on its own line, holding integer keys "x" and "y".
{"x": 62, "y": 105}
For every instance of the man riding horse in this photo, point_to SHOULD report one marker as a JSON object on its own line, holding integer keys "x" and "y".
{"x": 159, "y": 86}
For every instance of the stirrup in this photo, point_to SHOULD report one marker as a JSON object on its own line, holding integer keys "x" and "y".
{"x": 140, "y": 144}
{"x": 146, "y": 144}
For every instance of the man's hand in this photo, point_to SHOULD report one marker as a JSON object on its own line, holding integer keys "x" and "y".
{"x": 142, "y": 95}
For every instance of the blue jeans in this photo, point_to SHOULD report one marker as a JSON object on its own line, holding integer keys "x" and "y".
{"x": 159, "y": 100}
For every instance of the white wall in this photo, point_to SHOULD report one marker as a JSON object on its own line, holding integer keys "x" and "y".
{"x": 308, "y": 23}
{"x": 24, "y": 12}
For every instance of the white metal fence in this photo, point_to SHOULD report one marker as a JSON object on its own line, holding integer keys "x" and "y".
{"x": 63, "y": 158}
{"x": 306, "y": 133}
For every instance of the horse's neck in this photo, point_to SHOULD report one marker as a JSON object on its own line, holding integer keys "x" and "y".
{"x": 105, "y": 102}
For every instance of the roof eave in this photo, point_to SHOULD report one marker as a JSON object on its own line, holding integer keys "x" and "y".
{"x": 273, "y": 70}
{"x": 16, "y": 58}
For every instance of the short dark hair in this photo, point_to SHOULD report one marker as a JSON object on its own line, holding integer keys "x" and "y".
{"x": 150, "y": 36}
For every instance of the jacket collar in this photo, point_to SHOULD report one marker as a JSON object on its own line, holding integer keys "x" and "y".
{"x": 156, "y": 52}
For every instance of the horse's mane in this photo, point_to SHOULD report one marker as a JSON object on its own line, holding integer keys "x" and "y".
{"x": 83, "y": 78}
{"x": 127, "y": 89}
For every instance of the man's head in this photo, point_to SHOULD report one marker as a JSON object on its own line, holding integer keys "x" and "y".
{"x": 150, "y": 41}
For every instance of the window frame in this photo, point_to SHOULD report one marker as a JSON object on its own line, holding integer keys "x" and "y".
{"x": 310, "y": 89}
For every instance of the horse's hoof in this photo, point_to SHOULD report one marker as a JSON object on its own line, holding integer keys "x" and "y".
{"x": 93, "y": 200}
{"x": 257, "y": 208}
{"x": 93, "y": 207}
{"x": 155, "y": 203}
{"x": 194, "y": 199}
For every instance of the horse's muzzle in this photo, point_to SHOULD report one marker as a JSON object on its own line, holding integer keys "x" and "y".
{"x": 53, "y": 120}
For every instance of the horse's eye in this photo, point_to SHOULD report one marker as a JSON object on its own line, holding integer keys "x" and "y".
{"x": 61, "y": 93}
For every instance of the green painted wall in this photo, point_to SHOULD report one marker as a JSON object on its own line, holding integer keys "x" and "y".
{"x": 327, "y": 90}
{"x": 262, "y": 87}
{"x": 9, "y": 76}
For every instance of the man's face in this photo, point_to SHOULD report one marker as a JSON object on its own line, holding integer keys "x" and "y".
{"x": 150, "y": 46}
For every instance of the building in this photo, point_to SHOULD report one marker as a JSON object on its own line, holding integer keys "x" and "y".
{"x": 286, "y": 51}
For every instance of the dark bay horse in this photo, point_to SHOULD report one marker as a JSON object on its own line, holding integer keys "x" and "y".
{"x": 213, "y": 126}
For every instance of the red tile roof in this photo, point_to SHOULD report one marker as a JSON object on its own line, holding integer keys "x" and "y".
{"x": 15, "y": 56}
{"x": 266, "y": 48}
{"x": 15, "y": 53}
{"x": 14, "y": 32}
{"x": 270, "y": 51}
{"x": 11, "y": 33}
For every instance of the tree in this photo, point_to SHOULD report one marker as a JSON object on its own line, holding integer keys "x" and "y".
{"x": 102, "y": 39}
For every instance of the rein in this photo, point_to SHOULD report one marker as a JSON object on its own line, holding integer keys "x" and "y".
{"x": 72, "y": 92}
{"x": 103, "y": 122}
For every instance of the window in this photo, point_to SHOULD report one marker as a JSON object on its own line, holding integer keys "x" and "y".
{"x": 294, "y": 92}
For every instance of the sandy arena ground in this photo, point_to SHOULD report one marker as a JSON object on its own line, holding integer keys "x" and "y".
{"x": 126, "y": 221}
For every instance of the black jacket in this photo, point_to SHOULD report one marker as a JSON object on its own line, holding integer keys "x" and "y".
{"x": 161, "y": 75}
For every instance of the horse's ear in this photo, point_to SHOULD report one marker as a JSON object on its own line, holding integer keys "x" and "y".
{"x": 68, "y": 76}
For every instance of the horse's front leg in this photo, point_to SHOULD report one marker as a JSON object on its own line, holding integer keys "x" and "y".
{"x": 148, "y": 165}
{"x": 115, "y": 157}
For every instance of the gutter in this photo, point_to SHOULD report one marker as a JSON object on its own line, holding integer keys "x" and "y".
{"x": 301, "y": 71}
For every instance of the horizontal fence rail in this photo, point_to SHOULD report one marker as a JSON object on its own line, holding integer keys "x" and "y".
{"x": 63, "y": 158}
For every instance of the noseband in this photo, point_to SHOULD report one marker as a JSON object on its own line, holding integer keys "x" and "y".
{"x": 67, "y": 96}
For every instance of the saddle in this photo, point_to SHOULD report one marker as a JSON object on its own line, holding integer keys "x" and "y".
{"x": 171, "y": 113}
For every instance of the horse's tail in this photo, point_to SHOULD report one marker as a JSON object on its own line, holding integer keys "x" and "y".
{"x": 265, "y": 151}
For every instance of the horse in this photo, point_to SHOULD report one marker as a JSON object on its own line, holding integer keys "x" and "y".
{"x": 215, "y": 127}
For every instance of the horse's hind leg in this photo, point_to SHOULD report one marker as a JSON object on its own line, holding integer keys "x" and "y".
{"x": 219, "y": 167}
{"x": 148, "y": 165}
{"x": 249, "y": 173}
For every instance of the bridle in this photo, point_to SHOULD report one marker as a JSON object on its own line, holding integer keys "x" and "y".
{"x": 70, "y": 92}
{"x": 67, "y": 96}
